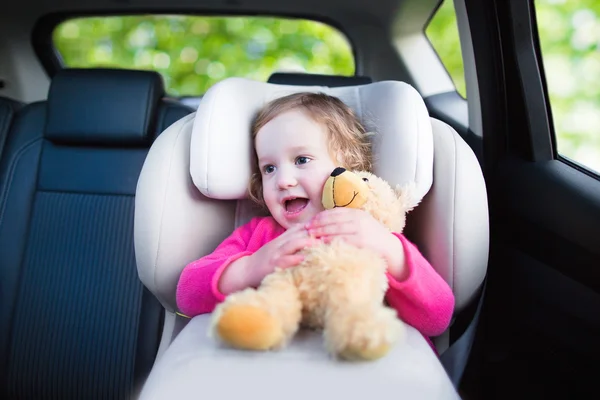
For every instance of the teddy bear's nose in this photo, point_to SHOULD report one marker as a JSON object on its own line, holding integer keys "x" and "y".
{"x": 338, "y": 171}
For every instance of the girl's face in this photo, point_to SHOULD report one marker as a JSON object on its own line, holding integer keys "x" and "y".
{"x": 294, "y": 161}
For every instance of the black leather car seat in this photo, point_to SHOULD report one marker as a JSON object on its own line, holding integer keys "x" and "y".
{"x": 76, "y": 321}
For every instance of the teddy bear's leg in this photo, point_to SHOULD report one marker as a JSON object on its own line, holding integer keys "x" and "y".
{"x": 357, "y": 323}
{"x": 260, "y": 319}
{"x": 361, "y": 332}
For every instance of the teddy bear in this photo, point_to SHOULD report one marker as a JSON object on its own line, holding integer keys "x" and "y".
{"x": 338, "y": 288}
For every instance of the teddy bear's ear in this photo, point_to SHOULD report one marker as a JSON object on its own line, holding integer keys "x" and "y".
{"x": 407, "y": 195}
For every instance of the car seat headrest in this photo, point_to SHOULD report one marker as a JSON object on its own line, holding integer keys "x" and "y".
{"x": 103, "y": 107}
{"x": 304, "y": 79}
{"x": 221, "y": 145}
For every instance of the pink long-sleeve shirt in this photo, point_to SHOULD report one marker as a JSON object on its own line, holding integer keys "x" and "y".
{"x": 423, "y": 300}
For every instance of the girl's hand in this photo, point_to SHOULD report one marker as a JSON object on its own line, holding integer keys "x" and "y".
{"x": 282, "y": 252}
{"x": 360, "y": 229}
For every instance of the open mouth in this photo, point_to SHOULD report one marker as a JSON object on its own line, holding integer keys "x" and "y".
{"x": 295, "y": 205}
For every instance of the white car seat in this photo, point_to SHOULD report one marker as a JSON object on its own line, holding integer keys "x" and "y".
{"x": 191, "y": 193}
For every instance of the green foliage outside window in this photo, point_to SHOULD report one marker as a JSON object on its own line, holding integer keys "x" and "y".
{"x": 569, "y": 34}
{"x": 192, "y": 52}
{"x": 442, "y": 32}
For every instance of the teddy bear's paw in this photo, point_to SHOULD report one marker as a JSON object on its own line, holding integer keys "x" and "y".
{"x": 353, "y": 353}
{"x": 364, "y": 335}
{"x": 249, "y": 328}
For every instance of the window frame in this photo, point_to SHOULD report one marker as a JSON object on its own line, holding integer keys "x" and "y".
{"x": 458, "y": 27}
{"x": 532, "y": 17}
{"x": 442, "y": 98}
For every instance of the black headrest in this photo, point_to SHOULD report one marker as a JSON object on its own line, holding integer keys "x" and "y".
{"x": 303, "y": 79}
{"x": 103, "y": 106}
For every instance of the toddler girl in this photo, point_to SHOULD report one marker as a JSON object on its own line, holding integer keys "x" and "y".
{"x": 299, "y": 140}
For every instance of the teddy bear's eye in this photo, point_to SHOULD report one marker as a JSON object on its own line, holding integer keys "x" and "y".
{"x": 365, "y": 179}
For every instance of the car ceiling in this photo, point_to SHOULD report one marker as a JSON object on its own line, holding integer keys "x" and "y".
{"x": 380, "y": 12}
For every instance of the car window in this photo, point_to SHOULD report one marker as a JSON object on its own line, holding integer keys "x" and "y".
{"x": 569, "y": 33}
{"x": 194, "y": 52}
{"x": 442, "y": 32}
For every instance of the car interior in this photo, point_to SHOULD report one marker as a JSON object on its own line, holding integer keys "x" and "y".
{"x": 114, "y": 176}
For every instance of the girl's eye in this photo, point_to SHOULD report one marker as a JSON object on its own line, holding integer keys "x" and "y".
{"x": 302, "y": 160}
{"x": 269, "y": 169}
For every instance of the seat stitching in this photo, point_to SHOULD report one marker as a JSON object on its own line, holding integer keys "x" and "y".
{"x": 418, "y": 143}
{"x": 147, "y": 122}
{"x": 453, "y": 215}
{"x": 5, "y": 124}
{"x": 357, "y": 93}
{"x": 207, "y": 138}
{"x": 162, "y": 208}
{"x": 12, "y": 169}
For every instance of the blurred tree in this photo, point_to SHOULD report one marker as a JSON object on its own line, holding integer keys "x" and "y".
{"x": 192, "y": 53}
{"x": 569, "y": 33}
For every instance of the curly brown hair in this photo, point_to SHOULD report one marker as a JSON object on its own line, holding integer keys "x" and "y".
{"x": 347, "y": 136}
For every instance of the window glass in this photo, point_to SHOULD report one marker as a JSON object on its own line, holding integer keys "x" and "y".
{"x": 194, "y": 52}
{"x": 442, "y": 32}
{"x": 569, "y": 33}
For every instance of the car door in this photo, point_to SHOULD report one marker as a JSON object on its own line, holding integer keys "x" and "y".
{"x": 541, "y": 320}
